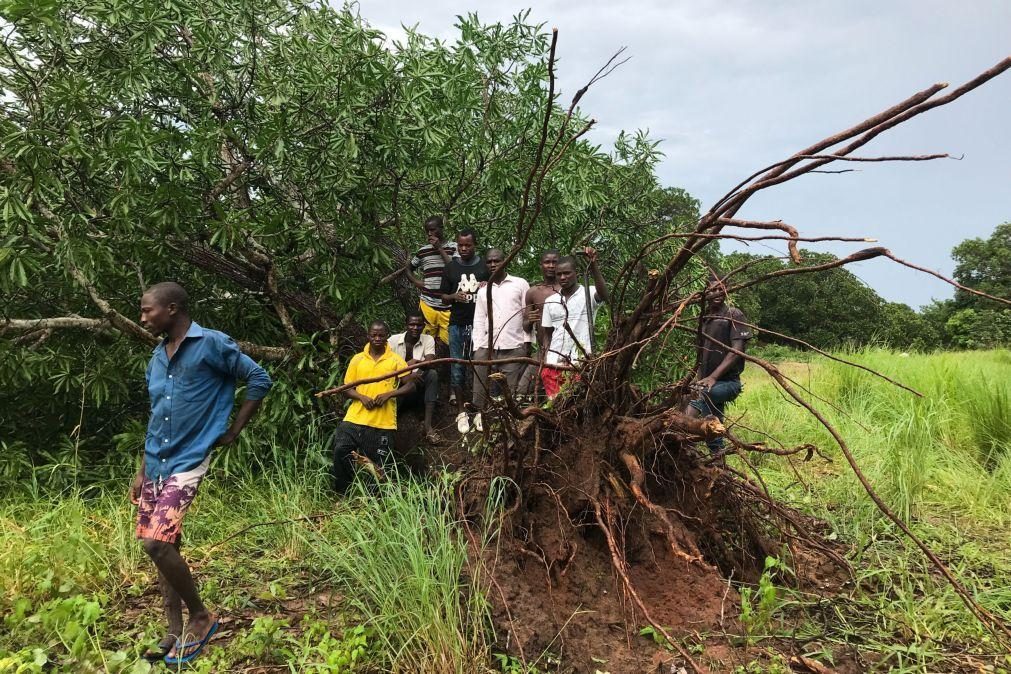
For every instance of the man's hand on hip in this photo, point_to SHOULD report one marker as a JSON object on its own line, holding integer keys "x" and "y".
{"x": 226, "y": 438}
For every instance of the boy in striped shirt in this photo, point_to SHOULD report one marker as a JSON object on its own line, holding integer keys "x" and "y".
{"x": 431, "y": 259}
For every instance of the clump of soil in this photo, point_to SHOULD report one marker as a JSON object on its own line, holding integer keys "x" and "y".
{"x": 553, "y": 577}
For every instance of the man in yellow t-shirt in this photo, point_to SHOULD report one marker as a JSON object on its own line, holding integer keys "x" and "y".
{"x": 371, "y": 420}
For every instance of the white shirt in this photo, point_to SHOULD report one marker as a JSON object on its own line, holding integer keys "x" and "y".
{"x": 425, "y": 346}
{"x": 558, "y": 310}
{"x": 508, "y": 300}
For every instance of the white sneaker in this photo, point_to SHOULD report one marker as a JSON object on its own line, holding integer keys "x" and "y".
{"x": 478, "y": 423}
{"x": 463, "y": 423}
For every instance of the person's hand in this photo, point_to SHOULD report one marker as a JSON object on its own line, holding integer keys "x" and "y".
{"x": 434, "y": 240}
{"x": 591, "y": 254}
{"x": 533, "y": 313}
{"x": 367, "y": 402}
{"x": 136, "y": 486}
{"x": 226, "y": 438}
{"x": 380, "y": 399}
{"x": 706, "y": 383}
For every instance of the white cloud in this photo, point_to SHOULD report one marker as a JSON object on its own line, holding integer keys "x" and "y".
{"x": 733, "y": 86}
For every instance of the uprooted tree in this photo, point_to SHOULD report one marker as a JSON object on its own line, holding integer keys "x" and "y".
{"x": 277, "y": 158}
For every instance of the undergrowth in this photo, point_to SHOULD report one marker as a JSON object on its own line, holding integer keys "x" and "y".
{"x": 373, "y": 582}
{"x": 941, "y": 461}
{"x": 379, "y": 581}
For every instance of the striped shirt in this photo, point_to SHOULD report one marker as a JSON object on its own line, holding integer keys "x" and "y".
{"x": 431, "y": 264}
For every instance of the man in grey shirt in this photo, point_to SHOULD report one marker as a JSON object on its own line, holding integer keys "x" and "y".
{"x": 718, "y": 379}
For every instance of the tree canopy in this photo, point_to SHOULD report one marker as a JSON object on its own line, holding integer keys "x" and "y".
{"x": 277, "y": 158}
{"x": 828, "y": 310}
{"x": 984, "y": 265}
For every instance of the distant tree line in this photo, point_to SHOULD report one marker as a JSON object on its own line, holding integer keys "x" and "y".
{"x": 836, "y": 309}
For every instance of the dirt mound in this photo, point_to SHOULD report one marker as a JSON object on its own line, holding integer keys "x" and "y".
{"x": 560, "y": 588}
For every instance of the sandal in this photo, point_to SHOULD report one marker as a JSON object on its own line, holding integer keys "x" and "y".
{"x": 433, "y": 438}
{"x": 191, "y": 649}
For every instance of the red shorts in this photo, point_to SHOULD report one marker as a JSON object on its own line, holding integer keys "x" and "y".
{"x": 554, "y": 380}
{"x": 161, "y": 508}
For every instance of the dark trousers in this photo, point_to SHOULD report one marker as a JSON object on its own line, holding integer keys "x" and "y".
{"x": 425, "y": 389}
{"x": 714, "y": 401}
{"x": 512, "y": 371}
{"x": 374, "y": 443}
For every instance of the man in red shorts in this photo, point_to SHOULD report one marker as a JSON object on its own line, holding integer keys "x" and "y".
{"x": 191, "y": 381}
{"x": 567, "y": 320}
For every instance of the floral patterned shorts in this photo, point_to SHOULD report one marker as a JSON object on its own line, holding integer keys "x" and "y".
{"x": 161, "y": 507}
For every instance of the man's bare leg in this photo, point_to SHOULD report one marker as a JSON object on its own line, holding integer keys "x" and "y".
{"x": 176, "y": 573}
{"x": 173, "y": 605}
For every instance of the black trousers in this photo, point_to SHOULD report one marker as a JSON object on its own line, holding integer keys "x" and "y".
{"x": 374, "y": 443}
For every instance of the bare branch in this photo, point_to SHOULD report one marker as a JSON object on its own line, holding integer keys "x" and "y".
{"x": 106, "y": 325}
{"x": 432, "y": 363}
{"x": 971, "y": 291}
{"x": 57, "y": 323}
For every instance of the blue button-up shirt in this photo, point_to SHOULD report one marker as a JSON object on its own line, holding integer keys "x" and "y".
{"x": 192, "y": 397}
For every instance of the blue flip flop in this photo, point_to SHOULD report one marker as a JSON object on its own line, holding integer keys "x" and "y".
{"x": 197, "y": 646}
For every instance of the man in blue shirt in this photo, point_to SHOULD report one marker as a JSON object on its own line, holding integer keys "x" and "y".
{"x": 191, "y": 380}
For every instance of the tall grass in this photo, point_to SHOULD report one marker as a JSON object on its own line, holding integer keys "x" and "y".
{"x": 941, "y": 461}
{"x": 406, "y": 573}
{"x": 395, "y": 558}
{"x": 946, "y": 454}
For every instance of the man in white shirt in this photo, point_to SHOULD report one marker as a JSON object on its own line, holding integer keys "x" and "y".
{"x": 567, "y": 320}
{"x": 414, "y": 346}
{"x": 509, "y": 339}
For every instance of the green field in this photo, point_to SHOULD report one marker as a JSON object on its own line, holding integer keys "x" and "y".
{"x": 375, "y": 584}
{"x": 941, "y": 461}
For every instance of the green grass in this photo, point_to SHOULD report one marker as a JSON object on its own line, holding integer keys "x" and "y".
{"x": 942, "y": 462}
{"x": 378, "y": 582}
{"x": 407, "y": 571}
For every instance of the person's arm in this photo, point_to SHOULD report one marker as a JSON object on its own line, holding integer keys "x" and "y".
{"x": 479, "y": 331}
{"x": 528, "y": 338}
{"x": 598, "y": 278}
{"x": 728, "y": 361}
{"x": 405, "y": 385}
{"x": 547, "y": 329}
{"x": 406, "y": 388}
{"x": 137, "y": 485}
{"x": 531, "y": 313}
{"x": 441, "y": 247}
{"x": 739, "y": 336}
{"x": 258, "y": 384}
{"x": 415, "y": 281}
{"x": 352, "y": 375}
{"x": 138, "y": 479}
{"x": 427, "y": 348}
{"x": 366, "y": 401}
{"x": 547, "y": 343}
{"x": 246, "y": 411}
{"x": 448, "y": 288}
{"x": 413, "y": 264}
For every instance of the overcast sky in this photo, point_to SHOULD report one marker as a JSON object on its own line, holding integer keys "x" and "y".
{"x": 733, "y": 86}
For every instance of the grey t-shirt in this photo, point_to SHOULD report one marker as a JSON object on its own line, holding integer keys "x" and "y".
{"x": 718, "y": 331}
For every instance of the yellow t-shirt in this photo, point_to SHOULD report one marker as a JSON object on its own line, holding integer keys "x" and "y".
{"x": 364, "y": 366}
